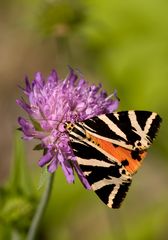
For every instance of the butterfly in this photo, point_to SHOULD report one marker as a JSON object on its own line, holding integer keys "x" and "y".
{"x": 110, "y": 148}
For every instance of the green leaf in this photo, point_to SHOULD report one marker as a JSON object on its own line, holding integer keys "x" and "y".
{"x": 17, "y": 208}
{"x": 36, "y": 124}
{"x": 38, "y": 147}
{"x": 19, "y": 176}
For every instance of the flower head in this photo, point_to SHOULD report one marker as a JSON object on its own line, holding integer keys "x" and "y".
{"x": 51, "y": 104}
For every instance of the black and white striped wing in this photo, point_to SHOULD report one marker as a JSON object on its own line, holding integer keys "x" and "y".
{"x": 109, "y": 149}
{"x": 108, "y": 178}
{"x": 128, "y": 129}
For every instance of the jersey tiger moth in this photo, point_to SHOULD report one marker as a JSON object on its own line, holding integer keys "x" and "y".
{"x": 110, "y": 148}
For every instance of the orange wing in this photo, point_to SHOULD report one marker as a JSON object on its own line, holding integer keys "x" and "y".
{"x": 123, "y": 155}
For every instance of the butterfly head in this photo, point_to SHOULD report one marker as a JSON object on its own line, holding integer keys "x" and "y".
{"x": 69, "y": 126}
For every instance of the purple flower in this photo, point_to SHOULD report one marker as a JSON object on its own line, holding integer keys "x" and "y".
{"x": 51, "y": 104}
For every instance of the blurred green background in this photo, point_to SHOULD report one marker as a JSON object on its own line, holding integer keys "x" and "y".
{"x": 124, "y": 45}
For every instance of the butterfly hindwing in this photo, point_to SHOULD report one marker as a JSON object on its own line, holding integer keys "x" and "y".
{"x": 130, "y": 159}
{"x": 109, "y": 149}
{"x": 107, "y": 178}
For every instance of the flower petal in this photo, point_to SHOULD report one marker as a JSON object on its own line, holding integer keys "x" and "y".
{"x": 39, "y": 80}
{"x": 84, "y": 181}
{"x": 26, "y": 126}
{"x": 45, "y": 159}
{"x": 28, "y": 86}
{"x": 66, "y": 167}
{"x": 24, "y": 105}
{"x": 53, "y": 165}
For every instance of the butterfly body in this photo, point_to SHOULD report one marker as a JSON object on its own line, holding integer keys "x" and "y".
{"x": 110, "y": 148}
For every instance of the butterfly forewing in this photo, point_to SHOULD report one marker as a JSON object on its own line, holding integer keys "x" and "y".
{"x": 128, "y": 129}
{"x": 110, "y": 148}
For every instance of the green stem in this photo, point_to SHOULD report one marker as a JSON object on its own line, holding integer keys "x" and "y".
{"x": 40, "y": 210}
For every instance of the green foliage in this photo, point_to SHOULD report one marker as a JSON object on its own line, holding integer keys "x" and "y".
{"x": 20, "y": 181}
{"x": 17, "y": 198}
{"x": 60, "y": 17}
{"x": 14, "y": 209}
